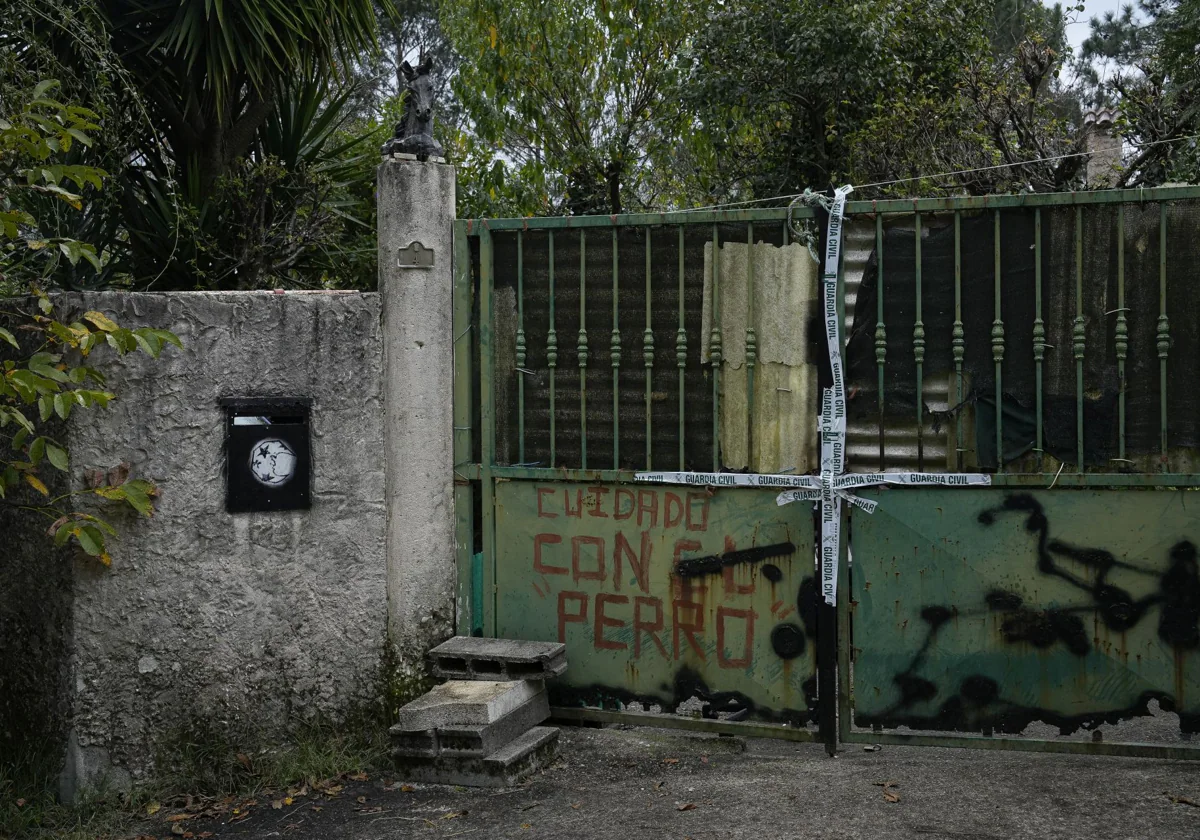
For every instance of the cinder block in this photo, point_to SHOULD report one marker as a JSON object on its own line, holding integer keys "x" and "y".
{"x": 473, "y": 741}
{"x": 466, "y": 703}
{"x": 472, "y": 658}
{"x": 526, "y": 754}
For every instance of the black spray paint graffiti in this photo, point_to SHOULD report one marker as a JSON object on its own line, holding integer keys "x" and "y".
{"x": 690, "y": 567}
{"x": 978, "y": 703}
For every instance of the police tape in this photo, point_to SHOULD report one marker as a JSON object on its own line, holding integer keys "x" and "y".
{"x": 829, "y": 489}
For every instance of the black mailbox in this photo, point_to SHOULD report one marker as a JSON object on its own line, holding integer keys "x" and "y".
{"x": 268, "y": 458}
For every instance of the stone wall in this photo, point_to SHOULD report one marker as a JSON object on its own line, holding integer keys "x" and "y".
{"x": 243, "y": 624}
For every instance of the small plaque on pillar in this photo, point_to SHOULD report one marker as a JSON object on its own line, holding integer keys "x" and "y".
{"x": 415, "y": 255}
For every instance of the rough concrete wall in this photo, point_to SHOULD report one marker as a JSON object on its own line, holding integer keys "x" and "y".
{"x": 416, "y": 202}
{"x": 35, "y": 622}
{"x": 238, "y": 623}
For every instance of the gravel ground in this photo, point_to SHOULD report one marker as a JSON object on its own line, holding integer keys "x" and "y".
{"x": 619, "y": 783}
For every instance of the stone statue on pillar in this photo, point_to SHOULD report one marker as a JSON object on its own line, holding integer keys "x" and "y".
{"x": 414, "y": 133}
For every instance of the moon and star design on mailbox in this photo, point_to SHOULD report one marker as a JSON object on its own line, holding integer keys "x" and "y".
{"x": 268, "y": 457}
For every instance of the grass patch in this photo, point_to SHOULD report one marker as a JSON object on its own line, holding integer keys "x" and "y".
{"x": 202, "y": 764}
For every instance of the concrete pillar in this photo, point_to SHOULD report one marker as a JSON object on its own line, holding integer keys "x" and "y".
{"x": 416, "y": 205}
{"x": 1104, "y": 162}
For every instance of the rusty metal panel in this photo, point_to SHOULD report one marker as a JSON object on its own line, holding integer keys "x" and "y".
{"x": 985, "y": 610}
{"x": 664, "y": 596}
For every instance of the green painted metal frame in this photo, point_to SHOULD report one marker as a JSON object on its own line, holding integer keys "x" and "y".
{"x": 477, "y": 590}
{"x": 465, "y": 473}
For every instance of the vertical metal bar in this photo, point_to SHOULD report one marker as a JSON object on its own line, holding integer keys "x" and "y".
{"x": 1163, "y": 333}
{"x": 845, "y": 652}
{"x": 1078, "y": 336}
{"x": 615, "y": 354}
{"x": 464, "y": 373}
{"x": 751, "y": 346}
{"x": 487, "y": 417}
{"x": 958, "y": 342}
{"x": 1039, "y": 330}
{"x": 581, "y": 348}
{"x": 681, "y": 350}
{"x": 829, "y": 618}
{"x": 998, "y": 351}
{"x": 714, "y": 348}
{"x": 648, "y": 355}
{"x": 1121, "y": 337}
{"x": 552, "y": 355}
{"x": 919, "y": 354}
{"x": 880, "y": 333}
{"x": 520, "y": 348}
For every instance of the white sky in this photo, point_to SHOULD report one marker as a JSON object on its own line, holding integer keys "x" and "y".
{"x": 1079, "y": 29}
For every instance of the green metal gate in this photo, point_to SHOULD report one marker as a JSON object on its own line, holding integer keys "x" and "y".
{"x": 1065, "y": 594}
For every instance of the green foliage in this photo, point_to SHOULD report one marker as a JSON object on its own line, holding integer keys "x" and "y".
{"x": 1144, "y": 63}
{"x": 570, "y": 104}
{"x": 46, "y": 372}
{"x": 804, "y": 94}
{"x": 213, "y": 111}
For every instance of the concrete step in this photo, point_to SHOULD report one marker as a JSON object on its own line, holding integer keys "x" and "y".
{"x": 470, "y": 658}
{"x": 467, "y": 703}
{"x": 526, "y": 754}
{"x": 475, "y": 741}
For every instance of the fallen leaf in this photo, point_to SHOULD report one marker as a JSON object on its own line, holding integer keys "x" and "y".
{"x": 21, "y": 804}
{"x": 576, "y": 805}
{"x": 373, "y": 810}
{"x": 406, "y": 788}
{"x": 244, "y": 760}
{"x": 453, "y": 815}
{"x": 685, "y": 806}
{"x": 287, "y": 800}
{"x": 333, "y": 790}
{"x": 361, "y": 800}
{"x": 178, "y": 829}
{"x": 178, "y": 817}
{"x": 704, "y": 759}
{"x": 205, "y": 834}
{"x": 277, "y": 804}
{"x": 151, "y": 809}
{"x": 526, "y": 825}
{"x": 1181, "y": 800}
{"x": 670, "y": 761}
{"x": 888, "y": 794}
{"x": 358, "y": 777}
{"x": 317, "y": 808}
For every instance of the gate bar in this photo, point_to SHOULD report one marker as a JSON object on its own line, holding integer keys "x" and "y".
{"x": 958, "y": 342}
{"x": 880, "y": 332}
{"x": 1039, "y": 330}
{"x": 1079, "y": 336}
{"x": 648, "y": 355}
{"x": 1121, "y": 336}
{"x": 487, "y": 417}
{"x": 998, "y": 353}
{"x": 581, "y": 348}
{"x": 520, "y": 348}
{"x": 918, "y": 353}
{"x": 552, "y": 354}
{"x": 681, "y": 349}
{"x": 615, "y": 354}
{"x": 1163, "y": 335}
